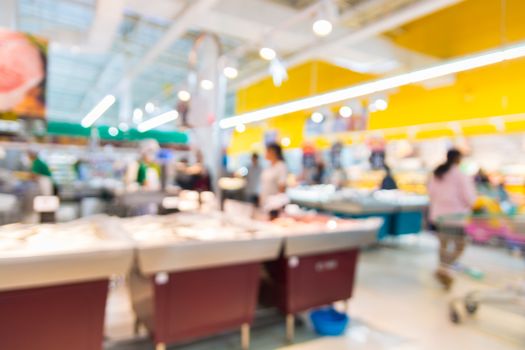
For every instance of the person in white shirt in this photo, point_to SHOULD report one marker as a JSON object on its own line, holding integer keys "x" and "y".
{"x": 273, "y": 178}
{"x": 253, "y": 180}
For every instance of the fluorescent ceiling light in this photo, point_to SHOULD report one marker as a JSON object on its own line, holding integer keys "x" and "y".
{"x": 285, "y": 141}
{"x": 97, "y": 111}
{"x": 451, "y": 67}
{"x": 158, "y": 121}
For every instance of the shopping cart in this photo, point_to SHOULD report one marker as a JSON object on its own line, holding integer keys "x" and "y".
{"x": 510, "y": 229}
{"x": 491, "y": 224}
{"x": 510, "y": 298}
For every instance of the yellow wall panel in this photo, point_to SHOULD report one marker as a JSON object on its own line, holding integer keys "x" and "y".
{"x": 432, "y": 134}
{"x": 479, "y": 130}
{"x": 485, "y": 92}
{"x": 470, "y": 26}
{"x": 490, "y": 91}
{"x": 304, "y": 80}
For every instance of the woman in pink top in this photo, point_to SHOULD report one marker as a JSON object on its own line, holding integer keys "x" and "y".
{"x": 451, "y": 193}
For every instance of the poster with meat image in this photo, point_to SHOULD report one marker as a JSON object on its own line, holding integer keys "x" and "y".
{"x": 22, "y": 75}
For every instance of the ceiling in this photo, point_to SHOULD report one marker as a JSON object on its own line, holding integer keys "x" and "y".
{"x": 100, "y": 47}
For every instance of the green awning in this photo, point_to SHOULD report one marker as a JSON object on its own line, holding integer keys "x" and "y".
{"x": 76, "y": 130}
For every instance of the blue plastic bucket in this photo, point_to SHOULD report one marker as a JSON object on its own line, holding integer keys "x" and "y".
{"x": 329, "y": 322}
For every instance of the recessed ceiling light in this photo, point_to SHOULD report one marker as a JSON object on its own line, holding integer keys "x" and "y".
{"x": 113, "y": 131}
{"x": 267, "y": 53}
{"x": 150, "y": 107}
{"x": 345, "y": 112}
{"x": 322, "y": 27}
{"x": 381, "y": 104}
{"x": 207, "y": 84}
{"x": 230, "y": 72}
{"x": 317, "y": 117}
{"x": 184, "y": 95}
{"x": 240, "y": 128}
{"x": 123, "y": 126}
{"x": 137, "y": 115}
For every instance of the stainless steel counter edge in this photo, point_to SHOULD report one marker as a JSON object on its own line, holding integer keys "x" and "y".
{"x": 310, "y": 244}
{"x": 63, "y": 268}
{"x": 182, "y": 256}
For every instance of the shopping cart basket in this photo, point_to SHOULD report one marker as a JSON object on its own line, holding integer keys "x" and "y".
{"x": 510, "y": 229}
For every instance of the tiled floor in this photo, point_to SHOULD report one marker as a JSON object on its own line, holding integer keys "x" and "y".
{"x": 397, "y": 306}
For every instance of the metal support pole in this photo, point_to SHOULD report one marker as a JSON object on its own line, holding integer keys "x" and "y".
{"x": 290, "y": 328}
{"x": 245, "y": 336}
{"x": 217, "y": 133}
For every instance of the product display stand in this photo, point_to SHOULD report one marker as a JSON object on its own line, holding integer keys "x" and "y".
{"x": 182, "y": 291}
{"x": 408, "y": 220}
{"x": 314, "y": 270}
{"x": 186, "y": 305}
{"x": 354, "y": 211}
{"x": 57, "y": 301}
{"x": 297, "y": 281}
{"x": 62, "y": 317}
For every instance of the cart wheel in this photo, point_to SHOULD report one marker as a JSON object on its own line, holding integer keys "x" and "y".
{"x": 471, "y": 307}
{"x": 454, "y": 316}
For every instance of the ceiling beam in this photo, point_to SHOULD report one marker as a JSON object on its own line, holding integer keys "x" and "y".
{"x": 9, "y": 14}
{"x": 108, "y": 16}
{"x": 388, "y": 22}
{"x": 185, "y": 18}
{"x": 183, "y": 21}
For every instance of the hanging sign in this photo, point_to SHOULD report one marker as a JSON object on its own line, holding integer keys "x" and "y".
{"x": 22, "y": 75}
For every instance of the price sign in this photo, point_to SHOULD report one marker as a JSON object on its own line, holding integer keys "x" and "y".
{"x": 46, "y": 204}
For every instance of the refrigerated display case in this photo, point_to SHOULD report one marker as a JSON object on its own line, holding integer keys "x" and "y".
{"x": 317, "y": 251}
{"x": 197, "y": 275}
{"x": 402, "y": 212}
{"x": 54, "y": 282}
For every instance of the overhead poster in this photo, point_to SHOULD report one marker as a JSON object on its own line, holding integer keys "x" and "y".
{"x": 22, "y": 75}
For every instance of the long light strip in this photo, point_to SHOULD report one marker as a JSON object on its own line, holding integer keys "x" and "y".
{"x": 97, "y": 111}
{"x": 158, "y": 121}
{"x": 451, "y": 67}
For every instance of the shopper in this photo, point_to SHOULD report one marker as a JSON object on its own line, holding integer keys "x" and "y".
{"x": 253, "y": 180}
{"x": 200, "y": 175}
{"x": 451, "y": 194}
{"x": 273, "y": 178}
{"x": 318, "y": 175}
{"x": 42, "y": 174}
{"x": 183, "y": 178}
{"x": 148, "y": 172}
{"x": 338, "y": 178}
{"x": 388, "y": 183}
